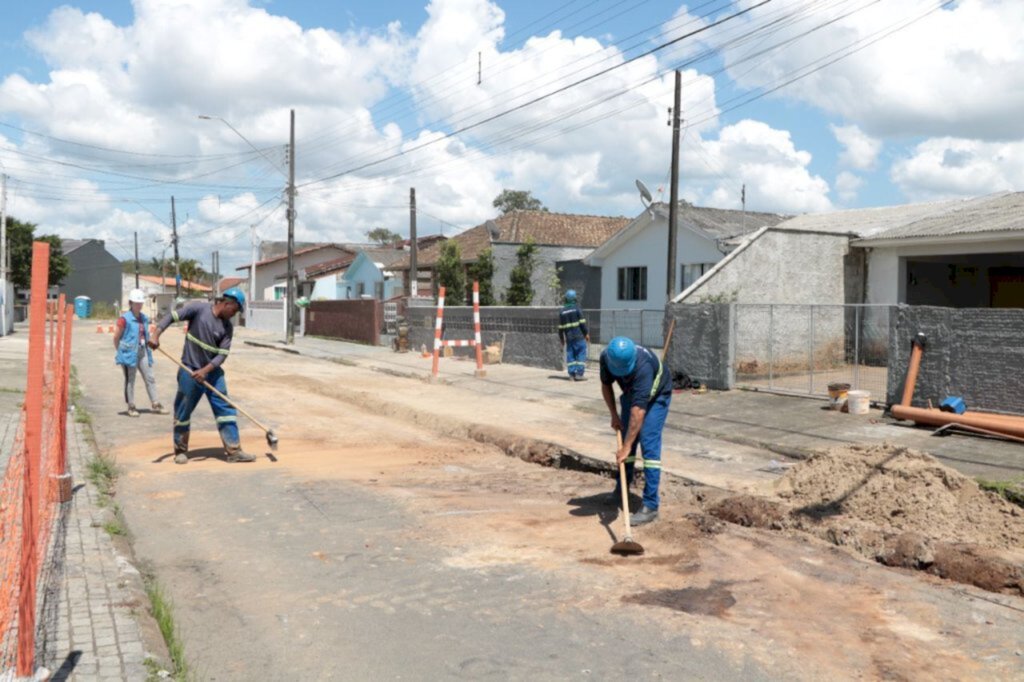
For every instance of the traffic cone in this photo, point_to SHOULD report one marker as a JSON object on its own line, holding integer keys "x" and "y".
{"x": 110, "y": 329}
{"x": 99, "y": 329}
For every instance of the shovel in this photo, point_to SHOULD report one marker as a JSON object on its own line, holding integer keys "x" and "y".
{"x": 271, "y": 437}
{"x": 625, "y": 546}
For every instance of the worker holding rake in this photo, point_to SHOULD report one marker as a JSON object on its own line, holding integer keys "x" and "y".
{"x": 646, "y": 387}
{"x": 207, "y": 344}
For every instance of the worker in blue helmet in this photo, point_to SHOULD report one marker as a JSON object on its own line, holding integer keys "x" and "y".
{"x": 646, "y": 387}
{"x": 574, "y": 335}
{"x": 207, "y": 345}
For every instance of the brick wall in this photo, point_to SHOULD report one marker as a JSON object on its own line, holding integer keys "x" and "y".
{"x": 357, "y": 320}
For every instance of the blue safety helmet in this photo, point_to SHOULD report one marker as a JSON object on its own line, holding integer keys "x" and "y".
{"x": 570, "y": 295}
{"x": 237, "y": 295}
{"x": 621, "y": 356}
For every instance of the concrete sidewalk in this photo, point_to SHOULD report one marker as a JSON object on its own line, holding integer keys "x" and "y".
{"x": 786, "y": 425}
{"x": 89, "y": 629}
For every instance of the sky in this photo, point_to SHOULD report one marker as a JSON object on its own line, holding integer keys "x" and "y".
{"x": 810, "y": 105}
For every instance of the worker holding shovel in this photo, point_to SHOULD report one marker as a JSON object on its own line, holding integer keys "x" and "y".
{"x": 207, "y": 344}
{"x": 646, "y": 387}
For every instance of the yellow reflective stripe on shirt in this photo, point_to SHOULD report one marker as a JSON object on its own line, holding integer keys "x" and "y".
{"x": 657, "y": 377}
{"x": 208, "y": 347}
{"x": 570, "y": 325}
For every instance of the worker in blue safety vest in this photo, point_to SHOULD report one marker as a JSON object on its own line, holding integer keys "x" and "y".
{"x": 574, "y": 335}
{"x": 207, "y": 344}
{"x": 646, "y": 387}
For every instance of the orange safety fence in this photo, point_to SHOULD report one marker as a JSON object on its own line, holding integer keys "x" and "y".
{"x": 36, "y": 481}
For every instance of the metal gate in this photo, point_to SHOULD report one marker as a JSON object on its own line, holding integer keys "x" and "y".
{"x": 798, "y": 348}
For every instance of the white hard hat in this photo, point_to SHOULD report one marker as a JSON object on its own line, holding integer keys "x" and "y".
{"x": 136, "y": 296}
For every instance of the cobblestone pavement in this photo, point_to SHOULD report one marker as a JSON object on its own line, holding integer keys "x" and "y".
{"x": 96, "y": 635}
{"x": 89, "y": 629}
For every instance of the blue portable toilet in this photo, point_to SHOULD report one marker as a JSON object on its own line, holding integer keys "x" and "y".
{"x": 83, "y": 307}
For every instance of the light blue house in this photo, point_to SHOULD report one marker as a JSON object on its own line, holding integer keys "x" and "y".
{"x": 368, "y": 276}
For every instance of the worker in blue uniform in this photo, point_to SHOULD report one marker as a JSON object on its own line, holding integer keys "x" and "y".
{"x": 574, "y": 335}
{"x": 646, "y": 387}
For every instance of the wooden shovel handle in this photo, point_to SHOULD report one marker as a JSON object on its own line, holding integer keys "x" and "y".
{"x": 214, "y": 390}
{"x": 622, "y": 487}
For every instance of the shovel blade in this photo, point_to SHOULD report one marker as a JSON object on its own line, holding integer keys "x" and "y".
{"x": 627, "y": 547}
{"x": 272, "y": 440}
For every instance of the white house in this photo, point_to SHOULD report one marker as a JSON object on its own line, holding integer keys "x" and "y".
{"x": 271, "y": 272}
{"x": 155, "y": 285}
{"x": 634, "y": 267}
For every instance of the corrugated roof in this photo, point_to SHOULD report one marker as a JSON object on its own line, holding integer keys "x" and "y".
{"x": 994, "y": 213}
{"x": 69, "y": 245}
{"x": 516, "y": 227}
{"x": 299, "y": 252}
{"x": 868, "y": 222}
{"x": 169, "y": 282}
{"x": 721, "y": 223}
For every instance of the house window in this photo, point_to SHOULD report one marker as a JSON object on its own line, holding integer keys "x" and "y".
{"x": 633, "y": 284}
{"x": 692, "y": 272}
{"x": 360, "y": 289}
{"x": 378, "y": 290}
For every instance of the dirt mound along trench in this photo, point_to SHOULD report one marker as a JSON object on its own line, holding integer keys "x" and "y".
{"x": 899, "y": 507}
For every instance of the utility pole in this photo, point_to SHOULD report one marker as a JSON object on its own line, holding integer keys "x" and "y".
{"x": 177, "y": 265}
{"x": 136, "y": 260}
{"x": 743, "y": 202}
{"x": 673, "y": 209}
{"x": 290, "y": 295}
{"x": 414, "y": 272}
{"x": 215, "y": 263}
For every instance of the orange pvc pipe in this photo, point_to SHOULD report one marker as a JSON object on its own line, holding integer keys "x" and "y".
{"x": 915, "y": 365}
{"x": 934, "y": 417}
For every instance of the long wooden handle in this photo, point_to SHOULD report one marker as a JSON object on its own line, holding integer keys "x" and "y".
{"x": 668, "y": 338}
{"x": 214, "y": 390}
{"x": 622, "y": 487}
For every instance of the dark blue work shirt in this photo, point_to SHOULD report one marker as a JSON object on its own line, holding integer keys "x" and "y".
{"x": 648, "y": 380}
{"x": 572, "y": 326}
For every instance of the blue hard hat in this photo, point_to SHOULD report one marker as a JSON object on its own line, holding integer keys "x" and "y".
{"x": 621, "y": 356}
{"x": 236, "y": 294}
{"x": 570, "y": 295}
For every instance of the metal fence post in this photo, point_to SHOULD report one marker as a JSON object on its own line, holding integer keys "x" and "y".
{"x": 856, "y": 347}
{"x": 771, "y": 345}
{"x": 810, "y": 350}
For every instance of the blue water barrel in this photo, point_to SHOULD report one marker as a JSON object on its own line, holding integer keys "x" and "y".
{"x": 83, "y": 307}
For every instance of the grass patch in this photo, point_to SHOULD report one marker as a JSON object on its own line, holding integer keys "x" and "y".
{"x": 115, "y": 528}
{"x": 102, "y": 472}
{"x": 1011, "y": 490}
{"x": 162, "y": 611}
{"x": 8, "y": 389}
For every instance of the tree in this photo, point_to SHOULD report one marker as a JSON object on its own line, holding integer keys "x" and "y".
{"x": 383, "y": 236}
{"x": 190, "y": 270}
{"x": 516, "y": 200}
{"x": 483, "y": 272}
{"x": 520, "y": 290}
{"x": 19, "y": 238}
{"x": 450, "y": 272}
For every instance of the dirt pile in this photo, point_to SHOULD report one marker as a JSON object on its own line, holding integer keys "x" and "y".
{"x": 899, "y": 507}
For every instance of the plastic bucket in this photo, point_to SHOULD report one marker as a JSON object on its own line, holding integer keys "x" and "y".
{"x": 837, "y": 395}
{"x": 858, "y": 402}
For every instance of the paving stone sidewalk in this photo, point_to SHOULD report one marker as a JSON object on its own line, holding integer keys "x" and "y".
{"x": 88, "y": 631}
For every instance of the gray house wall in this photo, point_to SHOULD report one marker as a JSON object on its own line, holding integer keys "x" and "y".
{"x": 94, "y": 273}
{"x": 584, "y": 279}
{"x": 974, "y": 353}
{"x": 700, "y": 346}
{"x": 545, "y": 270}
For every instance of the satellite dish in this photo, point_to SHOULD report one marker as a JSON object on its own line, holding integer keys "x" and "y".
{"x": 645, "y": 194}
{"x": 493, "y": 228}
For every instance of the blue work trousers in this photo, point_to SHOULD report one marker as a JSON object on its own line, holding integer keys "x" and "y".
{"x": 576, "y": 356}
{"x": 190, "y": 392}
{"x": 649, "y": 441}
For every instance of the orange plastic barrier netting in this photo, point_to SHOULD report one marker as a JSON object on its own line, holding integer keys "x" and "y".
{"x": 35, "y": 481}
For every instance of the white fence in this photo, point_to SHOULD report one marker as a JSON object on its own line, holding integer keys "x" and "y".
{"x": 269, "y": 316}
{"x": 804, "y": 348}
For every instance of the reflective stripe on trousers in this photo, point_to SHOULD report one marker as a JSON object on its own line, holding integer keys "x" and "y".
{"x": 190, "y": 392}
{"x": 576, "y": 357}
{"x": 649, "y": 442}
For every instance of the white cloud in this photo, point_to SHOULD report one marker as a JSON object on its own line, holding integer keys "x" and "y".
{"x": 951, "y": 167}
{"x": 766, "y": 160}
{"x": 959, "y": 71}
{"x": 847, "y": 185}
{"x": 860, "y": 151}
